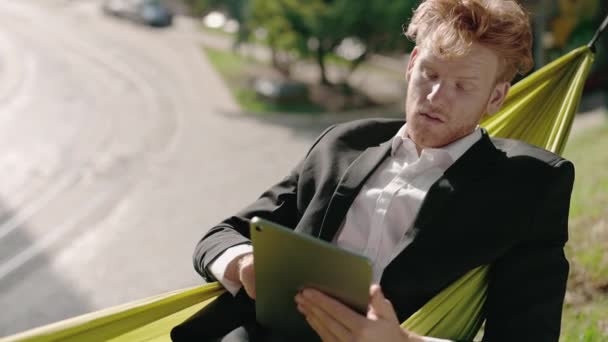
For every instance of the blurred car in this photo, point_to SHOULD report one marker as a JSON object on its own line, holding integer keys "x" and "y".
{"x": 147, "y": 12}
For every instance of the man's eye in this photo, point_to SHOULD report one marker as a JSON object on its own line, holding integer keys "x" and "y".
{"x": 463, "y": 87}
{"x": 430, "y": 75}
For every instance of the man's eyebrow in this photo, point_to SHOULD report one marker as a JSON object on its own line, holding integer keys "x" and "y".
{"x": 427, "y": 64}
{"x": 468, "y": 78}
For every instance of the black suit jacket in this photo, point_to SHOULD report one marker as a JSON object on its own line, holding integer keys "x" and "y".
{"x": 503, "y": 203}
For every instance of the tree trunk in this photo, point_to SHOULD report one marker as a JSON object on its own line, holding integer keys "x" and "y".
{"x": 355, "y": 64}
{"x": 321, "y": 63}
{"x": 282, "y": 65}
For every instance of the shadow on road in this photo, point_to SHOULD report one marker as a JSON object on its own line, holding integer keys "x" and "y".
{"x": 309, "y": 126}
{"x": 27, "y": 291}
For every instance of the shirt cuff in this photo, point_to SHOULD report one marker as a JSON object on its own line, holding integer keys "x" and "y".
{"x": 433, "y": 339}
{"x": 219, "y": 265}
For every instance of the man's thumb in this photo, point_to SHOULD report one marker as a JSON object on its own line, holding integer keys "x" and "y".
{"x": 380, "y": 306}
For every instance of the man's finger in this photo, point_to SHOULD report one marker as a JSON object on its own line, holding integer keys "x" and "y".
{"x": 247, "y": 274}
{"x": 323, "y": 319}
{"x": 380, "y": 307}
{"x": 343, "y": 314}
{"x": 323, "y": 332}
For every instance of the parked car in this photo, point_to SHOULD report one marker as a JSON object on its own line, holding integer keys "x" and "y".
{"x": 147, "y": 12}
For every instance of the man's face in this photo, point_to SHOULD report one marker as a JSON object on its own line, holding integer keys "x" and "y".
{"x": 447, "y": 98}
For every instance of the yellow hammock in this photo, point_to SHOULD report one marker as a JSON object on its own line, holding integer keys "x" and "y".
{"x": 539, "y": 110}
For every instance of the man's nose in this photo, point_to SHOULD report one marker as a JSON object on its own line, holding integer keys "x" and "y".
{"x": 438, "y": 93}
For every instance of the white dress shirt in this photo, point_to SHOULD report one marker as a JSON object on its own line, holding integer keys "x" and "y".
{"x": 378, "y": 223}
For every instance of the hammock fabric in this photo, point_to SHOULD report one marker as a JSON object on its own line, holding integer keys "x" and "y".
{"x": 539, "y": 109}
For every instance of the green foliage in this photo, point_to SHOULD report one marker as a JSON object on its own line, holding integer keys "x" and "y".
{"x": 587, "y": 24}
{"x": 198, "y": 7}
{"x": 268, "y": 15}
{"x": 315, "y": 28}
{"x": 236, "y": 9}
{"x": 382, "y": 24}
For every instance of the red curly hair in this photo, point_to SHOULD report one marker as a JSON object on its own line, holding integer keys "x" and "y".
{"x": 449, "y": 27}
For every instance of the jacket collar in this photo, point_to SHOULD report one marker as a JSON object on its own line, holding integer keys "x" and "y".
{"x": 455, "y": 149}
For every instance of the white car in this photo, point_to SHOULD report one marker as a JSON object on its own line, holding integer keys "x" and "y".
{"x": 120, "y": 8}
{"x": 148, "y": 12}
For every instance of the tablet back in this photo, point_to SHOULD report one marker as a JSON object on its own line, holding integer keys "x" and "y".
{"x": 286, "y": 261}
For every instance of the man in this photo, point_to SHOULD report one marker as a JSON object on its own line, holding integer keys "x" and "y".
{"x": 426, "y": 201}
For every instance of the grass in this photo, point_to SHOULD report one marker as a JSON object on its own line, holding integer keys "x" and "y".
{"x": 234, "y": 69}
{"x": 586, "y": 310}
{"x": 589, "y": 205}
{"x": 588, "y": 152}
{"x": 586, "y": 323}
{"x": 216, "y": 31}
{"x": 228, "y": 64}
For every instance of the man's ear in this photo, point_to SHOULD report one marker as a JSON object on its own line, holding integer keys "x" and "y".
{"x": 410, "y": 63}
{"x": 497, "y": 98}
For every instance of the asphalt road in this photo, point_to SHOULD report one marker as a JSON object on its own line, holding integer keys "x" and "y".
{"x": 119, "y": 147}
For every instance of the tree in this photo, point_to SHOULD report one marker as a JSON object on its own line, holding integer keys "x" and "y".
{"x": 314, "y": 28}
{"x": 574, "y": 25}
{"x": 235, "y": 9}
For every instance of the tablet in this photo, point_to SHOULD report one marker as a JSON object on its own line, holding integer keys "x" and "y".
{"x": 286, "y": 261}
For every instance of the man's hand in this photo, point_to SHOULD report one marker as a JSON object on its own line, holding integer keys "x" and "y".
{"x": 241, "y": 270}
{"x": 334, "y": 321}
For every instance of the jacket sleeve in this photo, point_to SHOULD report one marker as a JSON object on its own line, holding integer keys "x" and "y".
{"x": 277, "y": 204}
{"x": 527, "y": 285}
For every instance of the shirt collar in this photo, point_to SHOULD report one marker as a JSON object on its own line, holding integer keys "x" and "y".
{"x": 455, "y": 149}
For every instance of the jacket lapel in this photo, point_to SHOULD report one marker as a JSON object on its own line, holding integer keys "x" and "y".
{"x": 475, "y": 165}
{"x": 349, "y": 185}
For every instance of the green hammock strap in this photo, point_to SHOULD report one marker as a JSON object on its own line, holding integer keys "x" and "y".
{"x": 455, "y": 313}
{"x": 540, "y": 109}
{"x": 148, "y": 319}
